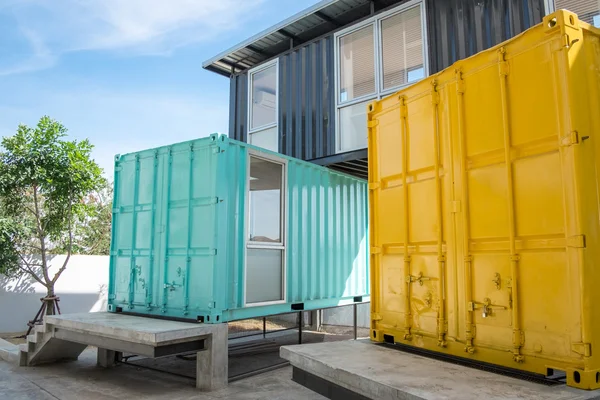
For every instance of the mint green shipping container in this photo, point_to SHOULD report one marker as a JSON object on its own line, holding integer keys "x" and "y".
{"x": 216, "y": 230}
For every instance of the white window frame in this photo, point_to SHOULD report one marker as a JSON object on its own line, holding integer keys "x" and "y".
{"x": 275, "y": 124}
{"x": 375, "y": 21}
{"x": 550, "y": 6}
{"x": 282, "y": 245}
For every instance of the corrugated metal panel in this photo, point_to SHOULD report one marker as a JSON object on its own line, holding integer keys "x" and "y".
{"x": 460, "y": 28}
{"x": 179, "y": 233}
{"x": 306, "y": 115}
{"x": 238, "y": 107}
{"x": 306, "y": 102}
{"x": 326, "y": 233}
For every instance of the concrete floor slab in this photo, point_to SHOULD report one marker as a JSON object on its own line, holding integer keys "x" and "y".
{"x": 384, "y": 373}
{"x": 83, "y": 380}
{"x": 148, "y": 331}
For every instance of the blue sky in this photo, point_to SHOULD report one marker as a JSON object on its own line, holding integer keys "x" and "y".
{"x": 127, "y": 74}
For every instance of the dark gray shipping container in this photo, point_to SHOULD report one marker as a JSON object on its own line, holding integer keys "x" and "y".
{"x": 456, "y": 29}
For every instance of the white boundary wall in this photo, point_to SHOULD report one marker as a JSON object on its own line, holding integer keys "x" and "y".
{"x": 82, "y": 288}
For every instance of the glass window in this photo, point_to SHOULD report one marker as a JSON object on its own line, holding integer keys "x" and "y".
{"x": 353, "y": 127}
{"x": 267, "y": 139}
{"x": 366, "y": 73}
{"x": 265, "y": 201}
{"x": 402, "y": 48}
{"x": 263, "y": 97}
{"x": 357, "y": 64}
{"x": 264, "y": 275}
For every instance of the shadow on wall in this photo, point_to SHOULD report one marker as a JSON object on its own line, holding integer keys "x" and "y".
{"x": 82, "y": 287}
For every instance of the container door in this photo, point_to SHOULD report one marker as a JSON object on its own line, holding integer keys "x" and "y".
{"x": 135, "y": 230}
{"x": 188, "y": 242}
{"x": 518, "y": 277}
{"x": 408, "y": 184}
{"x": 424, "y": 179}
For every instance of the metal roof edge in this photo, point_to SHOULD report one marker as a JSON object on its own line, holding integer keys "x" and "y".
{"x": 296, "y": 17}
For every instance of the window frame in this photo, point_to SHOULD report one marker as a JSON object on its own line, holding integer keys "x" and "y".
{"x": 282, "y": 245}
{"x": 251, "y": 73}
{"x": 375, "y": 21}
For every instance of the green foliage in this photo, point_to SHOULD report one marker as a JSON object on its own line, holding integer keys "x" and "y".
{"x": 91, "y": 232}
{"x": 44, "y": 183}
{"x": 9, "y": 257}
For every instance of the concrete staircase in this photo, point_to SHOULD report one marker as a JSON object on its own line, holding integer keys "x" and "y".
{"x": 42, "y": 347}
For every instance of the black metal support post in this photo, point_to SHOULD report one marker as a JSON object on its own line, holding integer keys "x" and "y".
{"x": 300, "y": 323}
{"x": 355, "y": 322}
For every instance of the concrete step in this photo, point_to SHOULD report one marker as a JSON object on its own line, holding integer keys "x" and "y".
{"x": 9, "y": 352}
{"x": 23, "y": 358}
{"x": 55, "y": 350}
{"x": 42, "y": 328}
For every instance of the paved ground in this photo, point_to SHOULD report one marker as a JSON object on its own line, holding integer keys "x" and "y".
{"x": 83, "y": 380}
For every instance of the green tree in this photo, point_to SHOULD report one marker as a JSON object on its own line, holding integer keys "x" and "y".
{"x": 92, "y": 230}
{"x": 44, "y": 183}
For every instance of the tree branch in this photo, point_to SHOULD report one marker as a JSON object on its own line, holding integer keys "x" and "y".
{"x": 27, "y": 269}
{"x": 69, "y": 246}
{"x": 32, "y": 247}
{"x": 41, "y": 236}
{"x": 31, "y": 210}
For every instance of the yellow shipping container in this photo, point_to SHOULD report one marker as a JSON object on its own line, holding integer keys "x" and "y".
{"x": 484, "y": 206}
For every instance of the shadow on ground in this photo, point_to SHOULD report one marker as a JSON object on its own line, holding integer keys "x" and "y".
{"x": 248, "y": 354}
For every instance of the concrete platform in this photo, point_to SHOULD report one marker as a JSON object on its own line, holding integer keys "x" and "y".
{"x": 66, "y": 336}
{"x": 83, "y": 380}
{"x": 144, "y": 332}
{"x": 361, "y": 369}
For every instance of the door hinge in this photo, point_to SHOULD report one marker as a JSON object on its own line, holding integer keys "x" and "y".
{"x": 403, "y": 108}
{"x": 118, "y": 168}
{"x": 567, "y": 42}
{"x": 584, "y": 349}
{"x": 503, "y": 68}
{"x": 455, "y": 206}
{"x": 372, "y": 123}
{"x": 435, "y": 95}
{"x": 570, "y": 139}
{"x": 112, "y": 296}
{"x": 460, "y": 83}
{"x": 577, "y": 241}
{"x": 374, "y": 185}
{"x": 376, "y": 317}
{"x": 375, "y": 250}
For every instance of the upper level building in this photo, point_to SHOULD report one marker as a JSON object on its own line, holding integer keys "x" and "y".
{"x": 301, "y": 87}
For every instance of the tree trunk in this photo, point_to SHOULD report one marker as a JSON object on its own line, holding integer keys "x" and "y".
{"x": 50, "y": 302}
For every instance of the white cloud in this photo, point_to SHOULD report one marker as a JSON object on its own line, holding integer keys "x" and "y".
{"x": 144, "y": 27}
{"x": 120, "y": 121}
